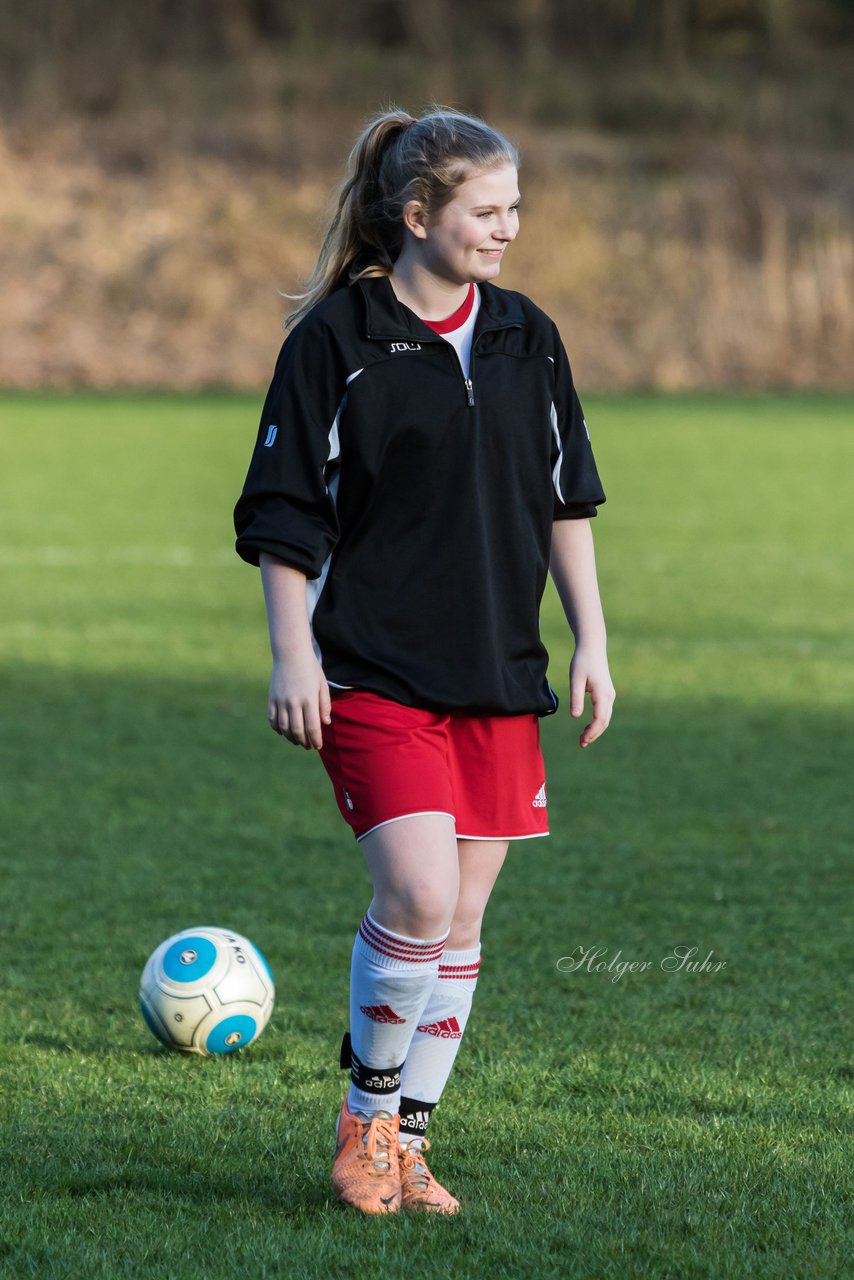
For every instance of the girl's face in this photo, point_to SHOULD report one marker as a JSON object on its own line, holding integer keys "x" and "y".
{"x": 466, "y": 240}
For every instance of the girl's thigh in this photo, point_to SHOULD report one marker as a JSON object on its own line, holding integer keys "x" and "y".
{"x": 480, "y": 862}
{"x": 415, "y": 869}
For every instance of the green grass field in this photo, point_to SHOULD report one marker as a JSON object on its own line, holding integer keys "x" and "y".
{"x": 664, "y": 1124}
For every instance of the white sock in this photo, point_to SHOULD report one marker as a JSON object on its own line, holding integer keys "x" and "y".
{"x": 391, "y": 978}
{"x": 437, "y": 1039}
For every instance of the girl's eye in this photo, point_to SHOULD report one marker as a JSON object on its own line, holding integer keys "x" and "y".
{"x": 514, "y": 208}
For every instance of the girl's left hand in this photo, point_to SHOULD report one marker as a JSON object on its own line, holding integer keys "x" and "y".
{"x": 588, "y": 673}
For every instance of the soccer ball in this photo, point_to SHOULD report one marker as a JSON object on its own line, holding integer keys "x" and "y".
{"x": 206, "y": 991}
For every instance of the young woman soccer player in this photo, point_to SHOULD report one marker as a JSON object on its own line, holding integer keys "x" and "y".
{"x": 422, "y": 461}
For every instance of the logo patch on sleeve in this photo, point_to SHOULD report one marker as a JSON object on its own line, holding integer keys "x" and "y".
{"x": 272, "y": 432}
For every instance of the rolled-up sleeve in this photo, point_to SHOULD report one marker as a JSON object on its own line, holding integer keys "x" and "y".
{"x": 286, "y": 508}
{"x": 577, "y": 487}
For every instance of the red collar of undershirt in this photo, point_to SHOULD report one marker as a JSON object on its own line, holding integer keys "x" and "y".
{"x": 457, "y": 320}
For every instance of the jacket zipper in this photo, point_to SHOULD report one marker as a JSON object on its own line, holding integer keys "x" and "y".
{"x": 468, "y": 380}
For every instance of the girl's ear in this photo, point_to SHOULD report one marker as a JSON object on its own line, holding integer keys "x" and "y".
{"x": 414, "y": 219}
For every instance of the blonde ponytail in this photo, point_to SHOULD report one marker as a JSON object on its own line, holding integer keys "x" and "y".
{"x": 396, "y": 158}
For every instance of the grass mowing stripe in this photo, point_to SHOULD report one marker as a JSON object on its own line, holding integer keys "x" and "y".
{"x": 650, "y": 1122}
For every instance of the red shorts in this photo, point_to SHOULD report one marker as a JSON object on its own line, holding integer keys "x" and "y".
{"x": 387, "y": 761}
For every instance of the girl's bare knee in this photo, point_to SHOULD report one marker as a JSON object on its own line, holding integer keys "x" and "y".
{"x": 416, "y": 910}
{"x": 415, "y": 869}
{"x": 465, "y": 931}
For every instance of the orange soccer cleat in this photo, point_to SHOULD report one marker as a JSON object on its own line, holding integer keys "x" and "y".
{"x": 418, "y": 1188}
{"x": 366, "y": 1173}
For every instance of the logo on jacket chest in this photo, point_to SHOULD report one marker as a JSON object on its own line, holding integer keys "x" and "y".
{"x": 406, "y": 346}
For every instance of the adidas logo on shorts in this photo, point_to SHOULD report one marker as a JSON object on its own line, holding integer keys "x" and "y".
{"x": 539, "y": 800}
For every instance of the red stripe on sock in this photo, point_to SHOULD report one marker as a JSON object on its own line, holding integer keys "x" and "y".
{"x": 383, "y": 942}
{"x": 414, "y": 947}
{"x": 459, "y": 970}
{"x": 396, "y": 955}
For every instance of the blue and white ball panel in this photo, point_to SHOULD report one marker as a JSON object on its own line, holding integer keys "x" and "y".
{"x": 233, "y": 1032}
{"x": 226, "y": 1030}
{"x": 194, "y": 956}
{"x": 189, "y": 958}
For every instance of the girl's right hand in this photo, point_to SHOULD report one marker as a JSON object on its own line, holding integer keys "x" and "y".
{"x": 299, "y": 701}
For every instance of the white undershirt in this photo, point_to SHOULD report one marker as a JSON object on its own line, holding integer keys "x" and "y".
{"x": 461, "y": 339}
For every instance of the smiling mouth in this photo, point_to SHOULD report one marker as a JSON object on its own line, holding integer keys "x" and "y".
{"x": 492, "y": 253}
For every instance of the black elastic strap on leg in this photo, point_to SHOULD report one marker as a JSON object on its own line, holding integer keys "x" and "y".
{"x": 379, "y": 1080}
{"x": 415, "y": 1116}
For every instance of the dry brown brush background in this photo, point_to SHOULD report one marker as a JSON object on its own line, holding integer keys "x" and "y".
{"x": 166, "y": 167}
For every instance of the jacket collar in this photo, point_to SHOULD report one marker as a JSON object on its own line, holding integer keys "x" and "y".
{"x": 387, "y": 318}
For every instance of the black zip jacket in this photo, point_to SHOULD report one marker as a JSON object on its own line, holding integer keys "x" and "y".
{"x": 418, "y": 503}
